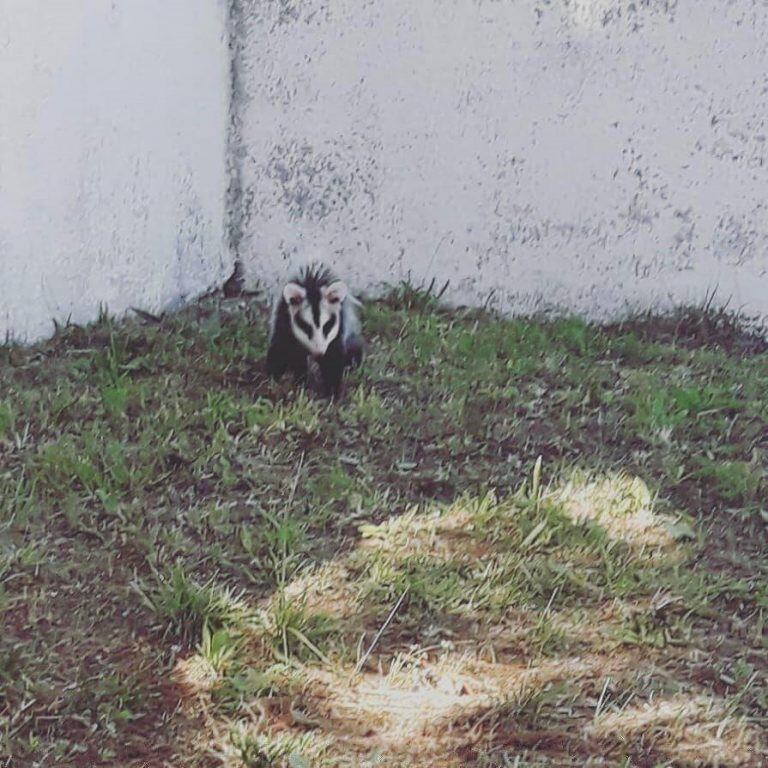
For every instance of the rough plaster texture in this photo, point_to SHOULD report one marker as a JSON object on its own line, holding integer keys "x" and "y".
{"x": 578, "y": 155}
{"x": 113, "y": 172}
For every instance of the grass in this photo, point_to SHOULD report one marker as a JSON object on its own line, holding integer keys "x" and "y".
{"x": 511, "y": 542}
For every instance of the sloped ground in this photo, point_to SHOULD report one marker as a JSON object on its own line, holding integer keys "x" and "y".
{"x": 511, "y": 543}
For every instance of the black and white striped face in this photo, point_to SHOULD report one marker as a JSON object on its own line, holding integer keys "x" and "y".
{"x": 315, "y": 316}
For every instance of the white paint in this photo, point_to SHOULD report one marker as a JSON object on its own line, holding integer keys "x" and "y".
{"x": 113, "y": 140}
{"x": 578, "y": 155}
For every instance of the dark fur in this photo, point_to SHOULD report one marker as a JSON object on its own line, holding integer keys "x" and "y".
{"x": 286, "y": 353}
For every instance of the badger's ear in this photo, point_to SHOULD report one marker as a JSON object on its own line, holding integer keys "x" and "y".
{"x": 294, "y": 294}
{"x": 335, "y": 292}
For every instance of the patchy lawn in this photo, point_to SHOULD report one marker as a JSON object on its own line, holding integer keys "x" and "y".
{"x": 512, "y": 543}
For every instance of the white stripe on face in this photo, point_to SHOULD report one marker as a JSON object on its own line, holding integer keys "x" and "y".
{"x": 315, "y": 337}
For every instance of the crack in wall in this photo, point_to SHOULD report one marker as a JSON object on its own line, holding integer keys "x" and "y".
{"x": 236, "y": 210}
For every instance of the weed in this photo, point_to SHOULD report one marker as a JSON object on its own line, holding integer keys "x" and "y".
{"x": 191, "y": 609}
{"x": 421, "y": 298}
{"x": 735, "y": 481}
{"x": 219, "y": 647}
{"x": 240, "y": 685}
{"x": 285, "y": 750}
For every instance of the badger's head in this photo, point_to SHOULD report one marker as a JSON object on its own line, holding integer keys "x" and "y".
{"x": 314, "y": 310}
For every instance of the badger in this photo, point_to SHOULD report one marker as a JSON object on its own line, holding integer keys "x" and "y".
{"x": 315, "y": 317}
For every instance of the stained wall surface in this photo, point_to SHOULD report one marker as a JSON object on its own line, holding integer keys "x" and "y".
{"x": 592, "y": 156}
{"x": 113, "y": 167}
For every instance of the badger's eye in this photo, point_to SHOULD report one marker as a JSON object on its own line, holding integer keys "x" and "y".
{"x": 328, "y": 327}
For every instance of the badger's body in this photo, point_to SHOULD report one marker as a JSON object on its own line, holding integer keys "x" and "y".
{"x": 315, "y": 317}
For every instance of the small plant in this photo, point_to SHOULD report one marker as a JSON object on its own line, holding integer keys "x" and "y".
{"x": 220, "y": 410}
{"x": 219, "y": 647}
{"x": 735, "y": 481}
{"x": 110, "y": 362}
{"x": 18, "y": 499}
{"x": 7, "y": 419}
{"x": 119, "y": 701}
{"x": 282, "y": 750}
{"x": 241, "y": 684}
{"x": 191, "y": 608}
{"x": 421, "y": 298}
{"x": 293, "y": 630}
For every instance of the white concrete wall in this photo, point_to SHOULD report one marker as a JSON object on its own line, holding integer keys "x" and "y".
{"x": 584, "y": 155}
{"x": 113, "y": 172}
